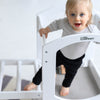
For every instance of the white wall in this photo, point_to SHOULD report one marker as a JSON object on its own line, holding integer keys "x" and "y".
{"x": 96, "y": 4}
{"x": 18, "y": 27}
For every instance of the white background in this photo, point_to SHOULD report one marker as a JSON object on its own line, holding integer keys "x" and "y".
{"x": 18, "y": 27}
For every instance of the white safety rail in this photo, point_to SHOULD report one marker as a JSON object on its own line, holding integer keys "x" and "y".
{"x": 18, "y": 94}
{"x": 49, "y": 62}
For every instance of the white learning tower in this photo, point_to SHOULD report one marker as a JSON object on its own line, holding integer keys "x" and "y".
{"x": 46, "y": 57}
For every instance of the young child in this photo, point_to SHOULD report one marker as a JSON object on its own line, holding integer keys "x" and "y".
{"x": 78, "y": 20}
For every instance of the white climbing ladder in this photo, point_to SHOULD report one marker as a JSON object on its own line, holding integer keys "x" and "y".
{"x": 18, "y": 94}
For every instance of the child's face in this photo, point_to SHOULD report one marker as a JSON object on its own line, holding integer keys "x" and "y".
{"x": 78, "y": 17}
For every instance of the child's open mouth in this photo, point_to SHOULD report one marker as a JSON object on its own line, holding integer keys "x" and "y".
{"x": 77, "y": 24}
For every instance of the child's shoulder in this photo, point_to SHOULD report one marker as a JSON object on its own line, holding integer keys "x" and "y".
{"x": 94, "y": 28}
{"x": 64, "y": 19}
{"x": 92, "y": 25}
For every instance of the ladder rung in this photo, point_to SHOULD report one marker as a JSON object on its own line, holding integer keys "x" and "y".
{"x": 15, "y": 62}
{"x": 20, "y": 94}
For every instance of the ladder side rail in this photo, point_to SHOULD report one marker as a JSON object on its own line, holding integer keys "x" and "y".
{"x": 15, "y": 61}
{"x": 18, "y": 85}
{"x": 1, "y": 73}
{"x": 39, "y": 40}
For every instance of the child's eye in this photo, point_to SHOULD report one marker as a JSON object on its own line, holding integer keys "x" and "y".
{"x": 81, "y": 14}
{"x": 72, "y": 14}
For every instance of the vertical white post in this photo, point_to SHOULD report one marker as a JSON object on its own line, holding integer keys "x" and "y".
{"x": 39, "y": 40}
{"x": 49, "y": 59}
{"x": 1, "y": 73}
{"x": 18, "y": 87}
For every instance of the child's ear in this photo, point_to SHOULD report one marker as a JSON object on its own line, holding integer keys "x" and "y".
{"x": 66, "y": 14}
{"x": 89, "y": 17}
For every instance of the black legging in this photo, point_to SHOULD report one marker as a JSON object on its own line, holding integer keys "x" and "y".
{"x": 71, "y": 67}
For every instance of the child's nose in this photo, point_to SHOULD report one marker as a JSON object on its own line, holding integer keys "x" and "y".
{"x": 77, "y": 17}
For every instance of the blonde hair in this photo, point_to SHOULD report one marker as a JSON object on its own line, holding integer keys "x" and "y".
{"x": 71, "y": 3}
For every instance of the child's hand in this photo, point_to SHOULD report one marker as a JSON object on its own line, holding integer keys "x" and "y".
{"x": 44, "y": 31}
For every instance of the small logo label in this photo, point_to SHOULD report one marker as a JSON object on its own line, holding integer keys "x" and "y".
{"x": 86, "y": 38}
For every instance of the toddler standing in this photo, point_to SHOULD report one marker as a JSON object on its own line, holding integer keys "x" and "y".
{"x": 78, "y": 21}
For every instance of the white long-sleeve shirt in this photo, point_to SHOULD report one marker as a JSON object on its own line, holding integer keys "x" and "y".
{"x": 75, "y": 50}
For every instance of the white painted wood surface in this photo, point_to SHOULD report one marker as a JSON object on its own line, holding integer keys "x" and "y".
{"x": 49, "y": 60}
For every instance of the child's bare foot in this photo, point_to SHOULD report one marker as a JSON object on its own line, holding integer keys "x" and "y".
{"x": 30, "y": 86}
{"x": 55, "y": 75}
{"x": 63, "y": 71}
{"x": 64, "y": 91}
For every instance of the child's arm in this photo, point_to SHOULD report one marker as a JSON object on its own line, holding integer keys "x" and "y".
{"x": 44, "y": 31}
{"x": 54, "y": 26}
